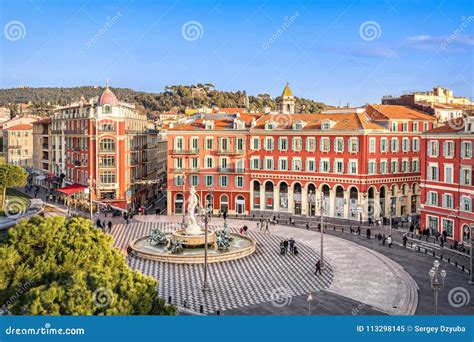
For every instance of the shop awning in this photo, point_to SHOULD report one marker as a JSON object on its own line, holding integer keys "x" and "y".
{"x": 72, "y": 189}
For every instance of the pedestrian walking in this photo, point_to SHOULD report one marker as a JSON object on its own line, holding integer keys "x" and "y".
{"x": 384, "y": 238}
{"x": 318, "y": 267}
{"x": 109, "y": 225}
{"x": 295, "y": 249}
{"x": 98, "y": 223}
{"x": 285, "y": 244}
{"x": 358, "y": 230}
{"x": 258, "y": 226}
{"x": 307, "y": 226}
{"x": 389, "y": 241}
{"x": 368, "y": 233}
{"x": 245, "y": 230}
{"x": 266, "y": 230}
{"x": 292, "y": 244}
{"x": 379, "y": 237}
{"x": 405, "y": 239}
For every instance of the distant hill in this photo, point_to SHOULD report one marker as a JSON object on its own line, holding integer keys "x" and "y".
{"x": 177, "y": 98}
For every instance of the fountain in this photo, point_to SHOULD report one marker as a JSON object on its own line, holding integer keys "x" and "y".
{"x": 193, "y": 235}
{"x": 187, "y": 244}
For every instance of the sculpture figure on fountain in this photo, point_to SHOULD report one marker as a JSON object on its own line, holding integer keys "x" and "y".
{"x": 193, "y": 227}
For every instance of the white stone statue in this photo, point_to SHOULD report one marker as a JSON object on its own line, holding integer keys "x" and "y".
{"x": 193, "y": 227}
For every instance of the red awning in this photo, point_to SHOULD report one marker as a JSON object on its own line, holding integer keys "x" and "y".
{"x": 72, "y": 189}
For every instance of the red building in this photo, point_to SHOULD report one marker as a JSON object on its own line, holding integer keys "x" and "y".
{"x": 211, "y": 155}
{"x": 447, "y": 179}
{"x": 359, "y": 161}
{"x": 108, "y": 146}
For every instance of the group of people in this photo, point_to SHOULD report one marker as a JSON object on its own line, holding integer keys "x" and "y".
{"x": 243, "y": 230}
{"x": 32, "y": 188}
{"x": 263, "y": 226}
{"x": 105, "y": 226}
{"x": 383, "y": 238}
{"x": 291, "y": 244}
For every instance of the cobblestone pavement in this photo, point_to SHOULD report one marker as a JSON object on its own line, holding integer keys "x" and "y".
{"x": 366, "y": 279}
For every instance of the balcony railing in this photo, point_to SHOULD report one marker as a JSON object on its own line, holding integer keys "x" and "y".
{"x": 230, "y": 170}
{"x": 186, "y": 152}
{"x": 185, "y": 170}
{"x": 230, "y": 151}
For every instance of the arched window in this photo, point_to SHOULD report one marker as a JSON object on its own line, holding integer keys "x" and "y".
{"x": 224, "y": 204}
{"x": 178, "y": 204}
{"x": 240, "y": 205}
{"x": 107, "y": 145}
{"x": 106, "y": 109}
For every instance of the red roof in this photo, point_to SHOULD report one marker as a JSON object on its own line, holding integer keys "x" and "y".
{"x": 20, "y": 127}
{"x": 72, "y": 189}
{"x": 107, "y": 97}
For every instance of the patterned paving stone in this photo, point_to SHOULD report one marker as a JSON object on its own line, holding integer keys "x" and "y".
{"x": 265, "y": 276}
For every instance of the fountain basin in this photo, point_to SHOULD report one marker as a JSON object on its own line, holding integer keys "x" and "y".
{"x": 240, "y": 247}
{"x": 194, "y": 240}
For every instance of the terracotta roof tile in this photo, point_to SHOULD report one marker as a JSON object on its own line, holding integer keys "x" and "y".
{"x": 20, "y": 127}
{"x": 384, "y": 112}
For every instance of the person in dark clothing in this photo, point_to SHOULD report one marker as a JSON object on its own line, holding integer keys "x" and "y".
{"x": 318, "y": 267}
{"x": 225, "y": 215}
{"x": 368, "y": 233}
{"x": 282, "y": 248}
{"x": 292, "y": 244}
{"x": 285, "y": 244}
{"x": 109, "y": 225}
{"x": 405, "y": 239}
{"x": 307, "y": 226}
{"x": 99, "y": 224}
{"x": 445, "y": 235}
{"x": 358, "y": 230}
{"x": 319, "y": 226}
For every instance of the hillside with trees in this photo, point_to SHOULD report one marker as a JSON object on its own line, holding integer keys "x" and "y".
{"x": 173, "y": 98}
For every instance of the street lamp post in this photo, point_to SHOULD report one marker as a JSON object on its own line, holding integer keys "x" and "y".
{"x": 471, "y": 262}
{"x": 311, "y": 200}
{"x": 437, "y": 277}
{"x": 183, "y": 222}
{"x": 322, "y": 228}
{"x": 90, "y": 183}
{"x": 206, "y": 217}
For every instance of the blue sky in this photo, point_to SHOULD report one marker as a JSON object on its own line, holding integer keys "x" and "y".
{"x": 320, "y": 47}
